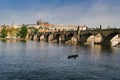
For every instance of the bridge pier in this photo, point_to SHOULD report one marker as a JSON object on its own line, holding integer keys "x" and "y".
{"x": 32, "y": 37}
{"x": 38, "y": 37}
{"x": 106, "y": 42}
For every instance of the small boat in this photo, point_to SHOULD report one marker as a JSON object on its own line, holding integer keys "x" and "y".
{"x": 73, "y": 56}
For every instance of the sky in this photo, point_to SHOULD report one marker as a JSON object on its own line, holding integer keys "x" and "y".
{"x": 91, "y": 13}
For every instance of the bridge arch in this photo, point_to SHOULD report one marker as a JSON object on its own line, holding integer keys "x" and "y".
{"x": 47, "y": 36}
{"x": 50, "y": 37}
{"x": 58, "y": 37}
{"x": 84, "y": 37}
{"x": 42, "y": 37}
{"x": 70, "y": 36}
{"x": 107, "y": 39}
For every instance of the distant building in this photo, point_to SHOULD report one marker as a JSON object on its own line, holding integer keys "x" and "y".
{"x": 40, "y": 23}
{"x": 44, "y": 24}
{"x": 69, "y": 27}
{"x": 83, "y": 27}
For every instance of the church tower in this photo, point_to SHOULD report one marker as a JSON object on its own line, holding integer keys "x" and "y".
{"x": 39, "y": 21}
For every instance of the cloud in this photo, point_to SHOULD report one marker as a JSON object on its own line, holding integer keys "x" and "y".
{"x": 102, "y": 14}
{"x": 91, "y": 14}
{"x": 99, "y": 13}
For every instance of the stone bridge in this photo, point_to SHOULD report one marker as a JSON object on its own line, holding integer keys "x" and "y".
{"x": 101, "y": 36}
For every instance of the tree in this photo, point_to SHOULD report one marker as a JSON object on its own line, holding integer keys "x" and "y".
{"x": 23, "y": 31}
{"x": 4, "y": 32}
{"x": 12, "y": 32}
{"x": 36, "y": 31}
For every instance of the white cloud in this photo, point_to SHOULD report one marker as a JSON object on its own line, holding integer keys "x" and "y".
{"x": 99, "y": 13}
{"x": 103, "y": 14}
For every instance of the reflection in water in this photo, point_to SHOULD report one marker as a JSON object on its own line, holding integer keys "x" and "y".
{"x": 48, "y": 61}
{"x": 98, "y": 50}
{"x": 106, "y": 49}
{"x": 12, "y": 40}
{"x": 95, "y": 51}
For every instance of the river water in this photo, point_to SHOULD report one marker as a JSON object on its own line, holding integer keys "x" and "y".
{"x": 31, "y": 60}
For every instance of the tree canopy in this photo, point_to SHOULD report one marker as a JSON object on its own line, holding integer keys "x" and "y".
{"x": 3, "y": 32}
{"x": 23, "y": 31}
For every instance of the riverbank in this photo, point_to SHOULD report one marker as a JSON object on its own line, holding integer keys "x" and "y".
{"x": 13, "y": 38}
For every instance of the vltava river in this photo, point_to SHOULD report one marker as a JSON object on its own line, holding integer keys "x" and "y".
{"x": 47, "y": 61}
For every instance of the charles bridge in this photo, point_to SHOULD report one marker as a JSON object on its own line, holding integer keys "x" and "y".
{"x": 101, "y": 36}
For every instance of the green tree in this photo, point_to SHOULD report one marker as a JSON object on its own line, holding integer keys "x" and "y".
{"x": 36, "y": 31}
{"x": 23, "y": 31}
{"x": 4, "y": 32}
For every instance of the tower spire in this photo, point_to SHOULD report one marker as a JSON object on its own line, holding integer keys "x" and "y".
{"x": 39, "y": 21}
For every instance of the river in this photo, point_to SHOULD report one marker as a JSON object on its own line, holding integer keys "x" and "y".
{"x": 31, "y": 60}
